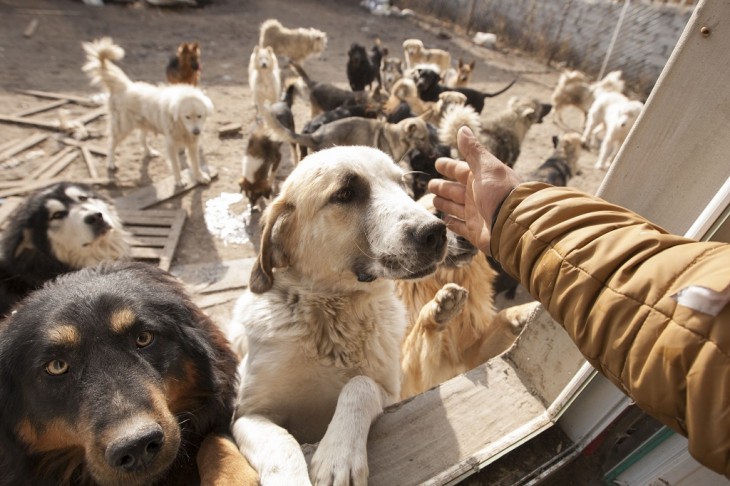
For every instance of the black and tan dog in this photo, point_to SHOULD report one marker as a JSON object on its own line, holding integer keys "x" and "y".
{"x": 429, "y": 88}
{"x": 184, "y": 66}
{"x": 111, "y": 375}
{"x": 363, "y": 69}
{"x": 562, "y": 165}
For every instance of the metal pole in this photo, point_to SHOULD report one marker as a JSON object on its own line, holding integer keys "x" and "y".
{"x": 613, "y": 39}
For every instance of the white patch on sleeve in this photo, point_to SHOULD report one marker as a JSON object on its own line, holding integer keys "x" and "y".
{"x": 702, "y": 299}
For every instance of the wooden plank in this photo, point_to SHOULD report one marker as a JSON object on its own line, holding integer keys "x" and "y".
{"x": 165, "y": 214}
{"x": 66, "y": 151}
{"x": 211, "y": 300}
{"x": 92, "y": 115}
{"x": 89, "y": 159}
{"x": 147, "y": 230}
{"x": 79, "y": 100}
{"x": 94, "y": 149}
{"x": 206, "y": 278}
{"x": 22, "y": 145}
{"x": 7, "y": 207}
{"x": 59, "y": 166}
{"x": 162, "y": 190}
{"x": 41, "y": 108}
{"x": 150, "y": 241}
{"x": 146, "y": 253}
{"x": 50, "y": 125}
{"x": 229, "y": 129}
{"x": 175, "y": 232}
{"x": 142, "y": 219}
{"x": 38, "y": 184}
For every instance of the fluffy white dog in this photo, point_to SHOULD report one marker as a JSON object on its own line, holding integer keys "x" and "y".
{"x": 619, "y": 117}
{"x": 178, "y": 112}
{"x": 296, "y": 44}
{"x": 322, "y": 324}
{"x": 264, "y": 77}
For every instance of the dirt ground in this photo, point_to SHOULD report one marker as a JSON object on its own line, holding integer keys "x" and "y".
{"x": 51, "y": 60}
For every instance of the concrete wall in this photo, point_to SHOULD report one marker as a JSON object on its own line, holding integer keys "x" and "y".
{"x": 575, "y": 31}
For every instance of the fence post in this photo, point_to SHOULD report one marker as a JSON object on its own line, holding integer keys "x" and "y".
{"x": 556, "y": 42}
{"x": 613, "y": 39}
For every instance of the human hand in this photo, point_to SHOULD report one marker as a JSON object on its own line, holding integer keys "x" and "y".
{"x": 478, "y": 187}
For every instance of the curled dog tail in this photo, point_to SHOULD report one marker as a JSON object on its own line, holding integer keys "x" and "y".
{"x": 279, "y": 132}
{"x": 491, "y": 95}
{"x": 455, "y": 117}
{"x": 99, "y": 66}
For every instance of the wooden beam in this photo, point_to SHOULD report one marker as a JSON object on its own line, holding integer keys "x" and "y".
{"x": 49, "y": 125}
{"x": 41, "y": 108}
{"x": 92, "y": 115}
{"x": 79, "y": 100}
{"x": 49, "y": 163}
{"x": 175, "y": 231}
{"x": 38, "y": 184}
{"x": 94, "y": 149}
{"x": 159, "y": 191}
{"x": 22, "y": 145}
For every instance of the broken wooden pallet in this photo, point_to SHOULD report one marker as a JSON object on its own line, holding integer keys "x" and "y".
{"x": 159, "y": 191}
{"x": 155, "y": 233}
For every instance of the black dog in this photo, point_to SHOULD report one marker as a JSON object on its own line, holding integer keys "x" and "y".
{"x": 362, "y": 70}
{"x": 429, "y": 89}
{"x": 111, "y": 375}
{"x": 61, "y": 228}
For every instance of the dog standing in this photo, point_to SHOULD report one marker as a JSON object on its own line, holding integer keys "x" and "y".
{"x": 573, "y": 89}
{"x": 612, "y": 114}
{"x": 562, "y": 165}
{"x": 56, "y": 230}
{"x": 264, "y": 77}
{"x": 178, "y": 112}
{"x": 321, "y": 326}
{"x": 111, "y": 375}
{"x": 429, "y": 89}
{"x": 295, "y": 44}
{"x": 363, "y": 70}
{"x": 391, "y": 71}
{"x": 459, "y": 77}
{"x": 416, "y": 53}
{"x": 184, "y": 67}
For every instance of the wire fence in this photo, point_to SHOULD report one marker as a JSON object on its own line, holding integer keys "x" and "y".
{"x": 595, "y": 36}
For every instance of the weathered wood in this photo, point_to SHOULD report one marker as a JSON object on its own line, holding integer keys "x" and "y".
{"x": 89, "y": 159}
{"x": 22, "y": 145}
{"x": 41, "y": 108}
{"x": 79, "y": 100}
{"x": 38, "y": 184}
{"x": 30, "y": 28}
{"x": 50, "y": 125}
{"x": 94, "y": 149}
{"x": 7, "y": 207}
{"x": 147, "y": 230}
{"x": 92, "y": 115}
{"x": 206, "y": 278}
{"x": 211, "y": 300}
{"x": 159, "y": 191}
{"x": 229, "y": 129}
{"x": 146, "y": 253}
{"x": 155, "y": 233}
{"x": 150, "y": 241}
{"x": 175, "y": 231}
{"x": 66, "y": 151}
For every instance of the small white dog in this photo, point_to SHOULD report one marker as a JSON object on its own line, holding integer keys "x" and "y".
{"x": 322, "y": 324}
{"x": 416, "y": 53}
{"x": 573, "y": 89}
{"x": 178, "y": 111}
{"x": 264, "y": 77}
{"x": 296, "y": 44}
{"x": 619, "y": 115}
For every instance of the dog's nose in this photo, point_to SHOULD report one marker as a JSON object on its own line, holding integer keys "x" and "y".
{"x": 430, "y": 236}
{"x": 135, "y": 451}
{"x": 196, "y": 131}
{"x": 94, "y": 219}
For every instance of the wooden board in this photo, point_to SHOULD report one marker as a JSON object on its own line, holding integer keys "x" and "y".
{"x": 155, "y": 233}
{"x": 162, "y": 190}
{"x": 41, "y": 108}
{"x": 21, "y": 145}
{"x": 7, "y": 207}
{"x": 79, "y": 100}
{"x": 209, "y": 278}
{"x": 37, "y": 184}
{"x": 19, "y": 120}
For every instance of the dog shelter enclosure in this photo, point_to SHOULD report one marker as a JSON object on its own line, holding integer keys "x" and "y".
{"x": 674, "y": 170}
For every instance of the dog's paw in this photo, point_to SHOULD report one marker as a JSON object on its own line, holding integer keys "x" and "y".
{"x": 151, "y": 153}
{"x": 449, "y": 301}
{"x": 335, "y": 463}
{"x": 203, "y": 177}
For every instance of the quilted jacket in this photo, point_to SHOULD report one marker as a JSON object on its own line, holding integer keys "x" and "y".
{"x": 645, "y": 307}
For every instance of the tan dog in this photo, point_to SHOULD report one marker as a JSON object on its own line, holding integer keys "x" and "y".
{"x": 459, "y": 77}
{"x": 562, "y": 165}
{"x": 416, "y": 53}
{"x": 391, "y": 70}
{"x": 184, "y": 67}
{"x": 574, "y": 89}
{"x": 264, "y": 77}
{"x": 295, "y": 44}
{"x": 453, "y": 326}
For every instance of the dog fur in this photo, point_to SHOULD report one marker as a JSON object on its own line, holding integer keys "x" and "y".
{"x": 573, "y": 89}
{"x": 429, "y": 89}
{"x": 391, "y": 71}
{"x": 562, "y": 165}
{"x": 453, "y": 325}
{"x": 455, "y": 116}
{"x": 259, "y": 165}
{"x": 295, "y": 44}
{"x": 264, "y": 77}
{"x": 363, "y": 70}
{"x": 404, "y": 90}
{"x": 459, "y": 77}
{"x": 321, "y": 324}
{"x": 416, "y": 53}
{"x": 184, "y": 66}
{"x": 111, "y": 375}
{"x": 503, "y": 132}
{"x": 613, "y": 115}
{"x": 178, "y": 111}
{"x": 56, "y": 230}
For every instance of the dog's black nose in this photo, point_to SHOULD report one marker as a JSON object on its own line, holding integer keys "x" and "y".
{"x": 135, "y": 451}
{"x": 196, "y": 131}
{"x": 430, "y": 236}
{"x": 94, "y": 219}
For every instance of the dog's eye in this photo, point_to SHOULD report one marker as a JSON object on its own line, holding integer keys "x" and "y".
{"x": 344, "y": 195}
{"x": 187, "y": 117}
{"x": 56, "y": 367}
{"x": 83, "y": 198}
{"x": 144, "y": 339}
{"x": 59, "y": 215}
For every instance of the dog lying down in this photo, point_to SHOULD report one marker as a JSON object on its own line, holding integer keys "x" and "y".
{"x": 111, "y": 375}
{"x": 321, "y": 322}
{"x": 58, "y": 229}
{"x": 178, "y": 112}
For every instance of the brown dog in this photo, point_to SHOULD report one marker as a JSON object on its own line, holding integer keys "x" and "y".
{"x": 184, "y": 67}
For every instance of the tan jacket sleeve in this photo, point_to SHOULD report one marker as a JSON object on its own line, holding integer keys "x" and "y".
{"x": 609, "y": 276}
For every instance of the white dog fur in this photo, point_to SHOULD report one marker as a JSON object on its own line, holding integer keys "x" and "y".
{"x": 612, "y": 114}
{"x": 295, "y": 44}
{"x": 264, "y": 77}
{"x": 321, "y": 324}
{"x": 178, "y": 112}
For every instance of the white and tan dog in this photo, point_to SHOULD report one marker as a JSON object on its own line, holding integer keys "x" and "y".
{"x": 178, "y": 112}
{"x": 416, "y": 53}
{"x": 613, "y": 115}
{"x": 264, "y": 77}
{"x": 321, "y": 325}
{"x": 295, "y": 44}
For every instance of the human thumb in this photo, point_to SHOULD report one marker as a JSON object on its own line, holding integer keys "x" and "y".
{"x": 469, "y": 148}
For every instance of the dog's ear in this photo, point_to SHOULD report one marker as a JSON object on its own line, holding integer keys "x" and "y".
{"x": 24, "y": 243}
{"x": 544, "y": 110}
{"x": 472, "y": 64}
{"x": 208, "y": 105}
{"x": 271, "y": 252}
{"x": 194, "y": 46}
{"x": 556, "y": 140}
{"x": 185, "y": 48}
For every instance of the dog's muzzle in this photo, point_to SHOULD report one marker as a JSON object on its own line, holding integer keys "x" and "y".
{"x": 137, "y": 450}
{"x": 97, "y": 223}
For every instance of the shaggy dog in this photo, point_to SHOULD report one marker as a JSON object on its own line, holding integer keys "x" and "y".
{"x": 178, "y": 112}
{"x": 391, "y": 70}
{"x": 429, "y": 89}
{"x": 562, "y": 165}
{"x": 259, "y": 165}
{"x": 363, "y": 70}
{"x": 416, "y": 53}
{"x": 295, "y": 44}
{"x": 321, "y": 326}
{"x": 404, "y": 91}
{"x": 455, "y": 116}
{"x": 459, "y": 77}
{"x": 184, "y": 67}
{"x": 573, "y": 89}
{"x": 264, "y": 77}
{"x": 612, "y": 114}
{"x": 453, "y": 326}
{"x": 503, "y": 132}
{"x": 111, "y": 375}
{"x": 56, "y": 230}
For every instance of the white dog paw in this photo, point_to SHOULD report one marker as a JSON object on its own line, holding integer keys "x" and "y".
{"x": 203, "y": 177}
{"x": 150, "y": 153}
{"x": 449, "y": 301}
{"x": 339, "y": 465}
